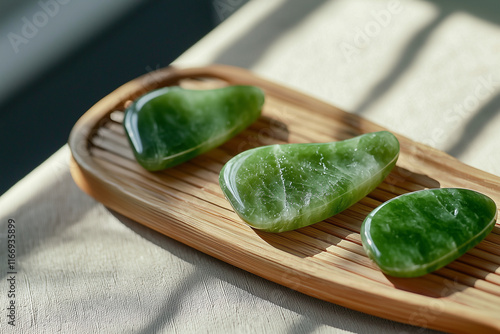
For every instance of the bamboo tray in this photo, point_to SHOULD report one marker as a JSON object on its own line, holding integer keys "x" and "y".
{"x": 325, "y": 260}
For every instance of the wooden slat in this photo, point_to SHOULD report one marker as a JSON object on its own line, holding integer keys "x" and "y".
{"x": 325, "y": 260}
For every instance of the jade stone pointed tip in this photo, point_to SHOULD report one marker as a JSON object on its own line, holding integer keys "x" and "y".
{"x": 417, "y": 233}
{"x": 171, "y": 125}
{"x": 284, "y": 187}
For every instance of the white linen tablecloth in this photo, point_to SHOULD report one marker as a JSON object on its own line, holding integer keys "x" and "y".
{"x": 428, "y": 70}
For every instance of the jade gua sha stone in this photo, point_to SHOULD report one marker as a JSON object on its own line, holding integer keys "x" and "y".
{"x": 417, "y": 233}
{"x": 171, "y": 125}
{"x": 279, "y": 188}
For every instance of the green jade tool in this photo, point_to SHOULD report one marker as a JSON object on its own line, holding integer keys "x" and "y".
{"x": 171, "y": 125}
{"x": 279, "y": 188}
{"x": 417, "y": 233}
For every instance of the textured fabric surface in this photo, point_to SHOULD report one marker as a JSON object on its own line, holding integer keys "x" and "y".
{"x": 429, "y": 70}
{"x": 426, "y": 69}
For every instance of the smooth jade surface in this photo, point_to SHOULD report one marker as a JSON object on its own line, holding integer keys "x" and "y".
{"x": 171, "y": 125}
{"x": 417, "y": 233}
{"x": 284, "y": 187}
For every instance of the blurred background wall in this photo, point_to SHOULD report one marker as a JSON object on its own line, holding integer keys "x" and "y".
{"x": 59, "y": 57}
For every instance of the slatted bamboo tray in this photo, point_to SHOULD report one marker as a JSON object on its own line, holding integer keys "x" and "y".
{"x": 325, "y": 260}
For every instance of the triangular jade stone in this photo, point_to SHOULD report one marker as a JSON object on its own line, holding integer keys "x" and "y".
{"x": 283, "y": 187}
{"x": 171, "y": 125}
{"x": 417, "y": 233}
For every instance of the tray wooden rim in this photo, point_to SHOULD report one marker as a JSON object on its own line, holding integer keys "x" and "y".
{"x": 334, "y": 285}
